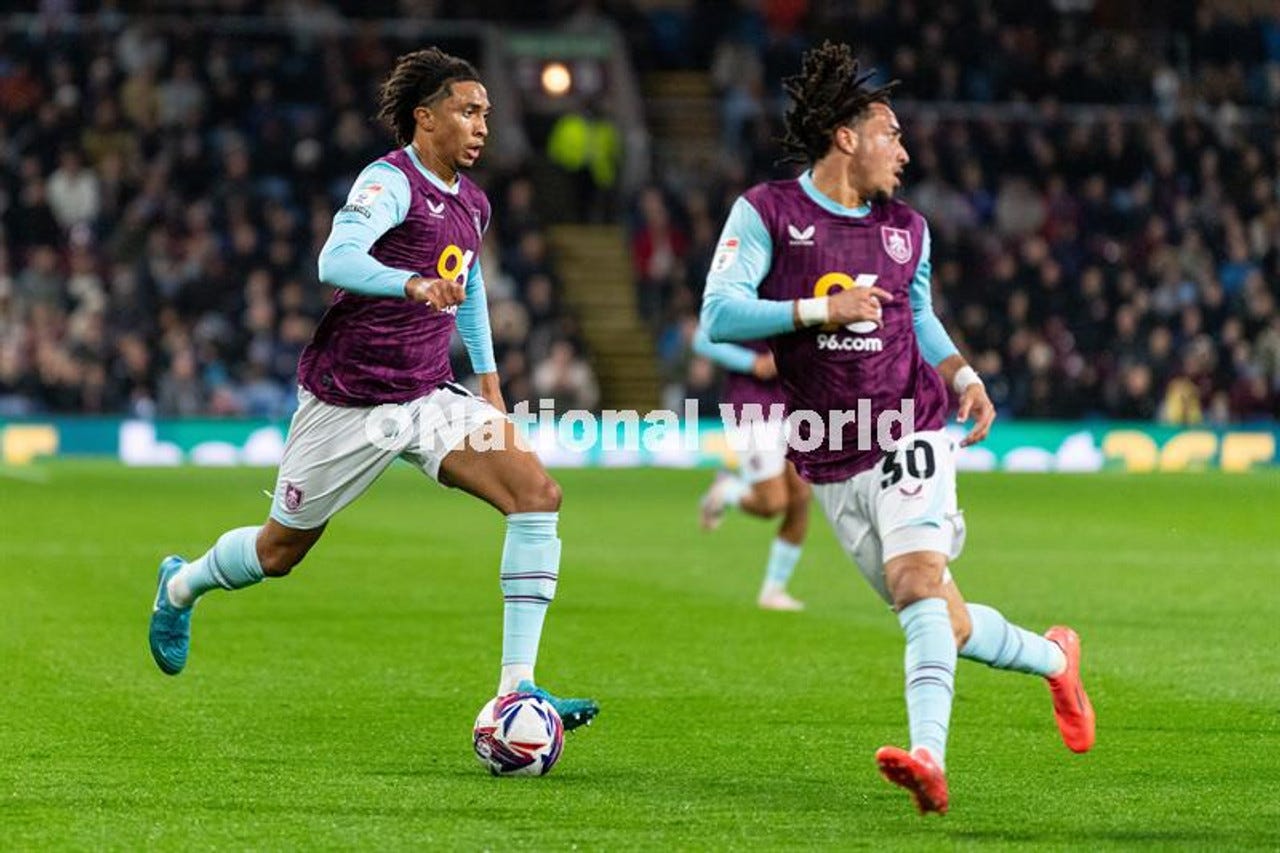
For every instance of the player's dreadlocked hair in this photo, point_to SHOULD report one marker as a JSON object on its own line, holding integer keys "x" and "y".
{"x": 418, "y": 79}
{"x": 828, "y": 92}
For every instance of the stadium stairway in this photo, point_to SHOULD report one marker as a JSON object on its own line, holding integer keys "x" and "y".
{"x": 683, "y": 117}
{"x": 594, "y": 264}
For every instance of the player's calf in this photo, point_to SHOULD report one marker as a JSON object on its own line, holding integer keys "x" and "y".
{"x": 279, "y": 549}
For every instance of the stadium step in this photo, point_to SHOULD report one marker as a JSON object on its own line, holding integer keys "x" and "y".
{"x": 683, "y": 116}
{"x": 595, "y": 265}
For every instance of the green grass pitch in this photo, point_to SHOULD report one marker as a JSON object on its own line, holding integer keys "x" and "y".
{"x": 333, "y": 709}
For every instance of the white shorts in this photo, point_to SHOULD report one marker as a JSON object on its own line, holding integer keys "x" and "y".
{"x": 906, "y": 503}
{"x": 761, "y": 447}
{"x": 334, "y": 453}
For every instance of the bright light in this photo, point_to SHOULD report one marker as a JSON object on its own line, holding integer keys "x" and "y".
{"x": 556, "y": 79}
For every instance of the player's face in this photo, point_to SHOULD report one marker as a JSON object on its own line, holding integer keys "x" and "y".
{"x": 459, "y": 124}
{"x": 880, "y": 156}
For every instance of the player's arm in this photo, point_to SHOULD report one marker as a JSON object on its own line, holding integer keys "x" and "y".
{"x": 378, "y": 202}
{"x": 473, "y": 328}
{"x": 734, "y": 357}
{"x": 732, "y": 309}
{"x": 940, "y": 351}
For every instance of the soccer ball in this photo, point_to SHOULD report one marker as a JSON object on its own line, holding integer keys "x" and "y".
{"x": 518, "y": 734}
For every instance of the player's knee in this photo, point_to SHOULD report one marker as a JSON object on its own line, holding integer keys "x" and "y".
{"x": 542, "y": 495}
{"x": 916, "y": 577}
{"x": 770, "y": 498}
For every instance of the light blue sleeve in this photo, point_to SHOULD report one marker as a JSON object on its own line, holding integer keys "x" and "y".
{"x": 473, "y": 323}
{"x": 935, "y": 344}
{"x": 378, "y": 202}
{"x": 729, "y": 356}
{"x": 731, "y": 307}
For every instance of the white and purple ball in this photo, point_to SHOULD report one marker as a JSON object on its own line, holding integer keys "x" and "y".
{"x": 518, "y": 734}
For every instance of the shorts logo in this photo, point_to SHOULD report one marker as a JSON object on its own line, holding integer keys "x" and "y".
{"x": 911, "y": 493}
{"x": 725, "y": 255}
{"x": 897, "y": 243}
{"x": 801, "y": 237}
{"x": 436, "y": 210}
{"x": 292, "y": 497}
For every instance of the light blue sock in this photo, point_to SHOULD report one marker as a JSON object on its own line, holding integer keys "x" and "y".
{"x": 999, "y": 643}
{"x": 931, "y": 672}
{"x": 783, "y": 557}
{"x": 530, "y": 568}
{"x": 232, "y": 563}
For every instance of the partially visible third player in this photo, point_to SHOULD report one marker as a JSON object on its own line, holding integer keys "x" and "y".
{"x": 766, "y": 484}
{"x": 836, "y": 274}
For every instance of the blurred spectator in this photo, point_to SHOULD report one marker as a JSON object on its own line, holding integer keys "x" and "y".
{"x": 566, "y": 378}
{"x": 163, "y": 199}
{"x": 1091, "y": 262}
{"x": 658, "y": 247}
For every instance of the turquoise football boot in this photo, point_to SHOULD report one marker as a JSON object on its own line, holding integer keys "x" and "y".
{"x": 170, "y": 633}
{"x": 573, "y": 712}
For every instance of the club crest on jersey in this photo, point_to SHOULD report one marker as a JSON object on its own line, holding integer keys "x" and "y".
{"x": 801, "y": 237}
{"x": 292, "y": 497}
{"x": 725, "y": 255}
{"x": 436, "y": 210}
{"x": 897, "y": 243}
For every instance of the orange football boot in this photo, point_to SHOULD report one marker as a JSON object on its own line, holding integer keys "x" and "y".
{"x": 1071, "y": 706}
{"x": 918, "y": 773}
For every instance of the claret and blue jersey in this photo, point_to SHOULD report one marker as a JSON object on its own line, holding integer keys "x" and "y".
{"x": 784, "y": 241}
{"x": 373, "y": 346}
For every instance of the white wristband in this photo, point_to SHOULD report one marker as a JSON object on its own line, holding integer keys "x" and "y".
{"x": 813, "y": 311}
{"x": 965, "y": 377}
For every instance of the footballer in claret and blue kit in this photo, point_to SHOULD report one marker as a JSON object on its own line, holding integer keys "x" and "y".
{"x": 376, "y": 386}
{"x": 835, "y": 274}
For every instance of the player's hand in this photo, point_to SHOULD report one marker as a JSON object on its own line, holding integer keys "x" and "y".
{"x": 439, "y": 293}
{"x": 763, "y": 368}
{"x": 857, "y": 305}
{"x": 975, "y": 403}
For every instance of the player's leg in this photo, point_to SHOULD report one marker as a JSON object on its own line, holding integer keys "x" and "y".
{"x": 242, "y": 557}
{"x": 786, "y": 549}
{"x": 759, "y": 488}
{"x": 916, "y": 584}
{"x": 490, "y": 466}
{"x": 239, "y": 558}
{"x": 983, "y": 634}
{"x": 918, "y": 509}
{"x": 328, "y": 461}
{"x": 765, "y": 498}
{"x": 930, "y": 654}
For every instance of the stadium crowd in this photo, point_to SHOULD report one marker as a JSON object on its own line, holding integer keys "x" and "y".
{"x": 163, "y": 199}
{"x": 1119, "y": 261}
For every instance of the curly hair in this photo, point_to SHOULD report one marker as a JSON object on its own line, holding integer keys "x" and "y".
{"x": 829, "y": 92}
{"x": 418, "y": 79}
